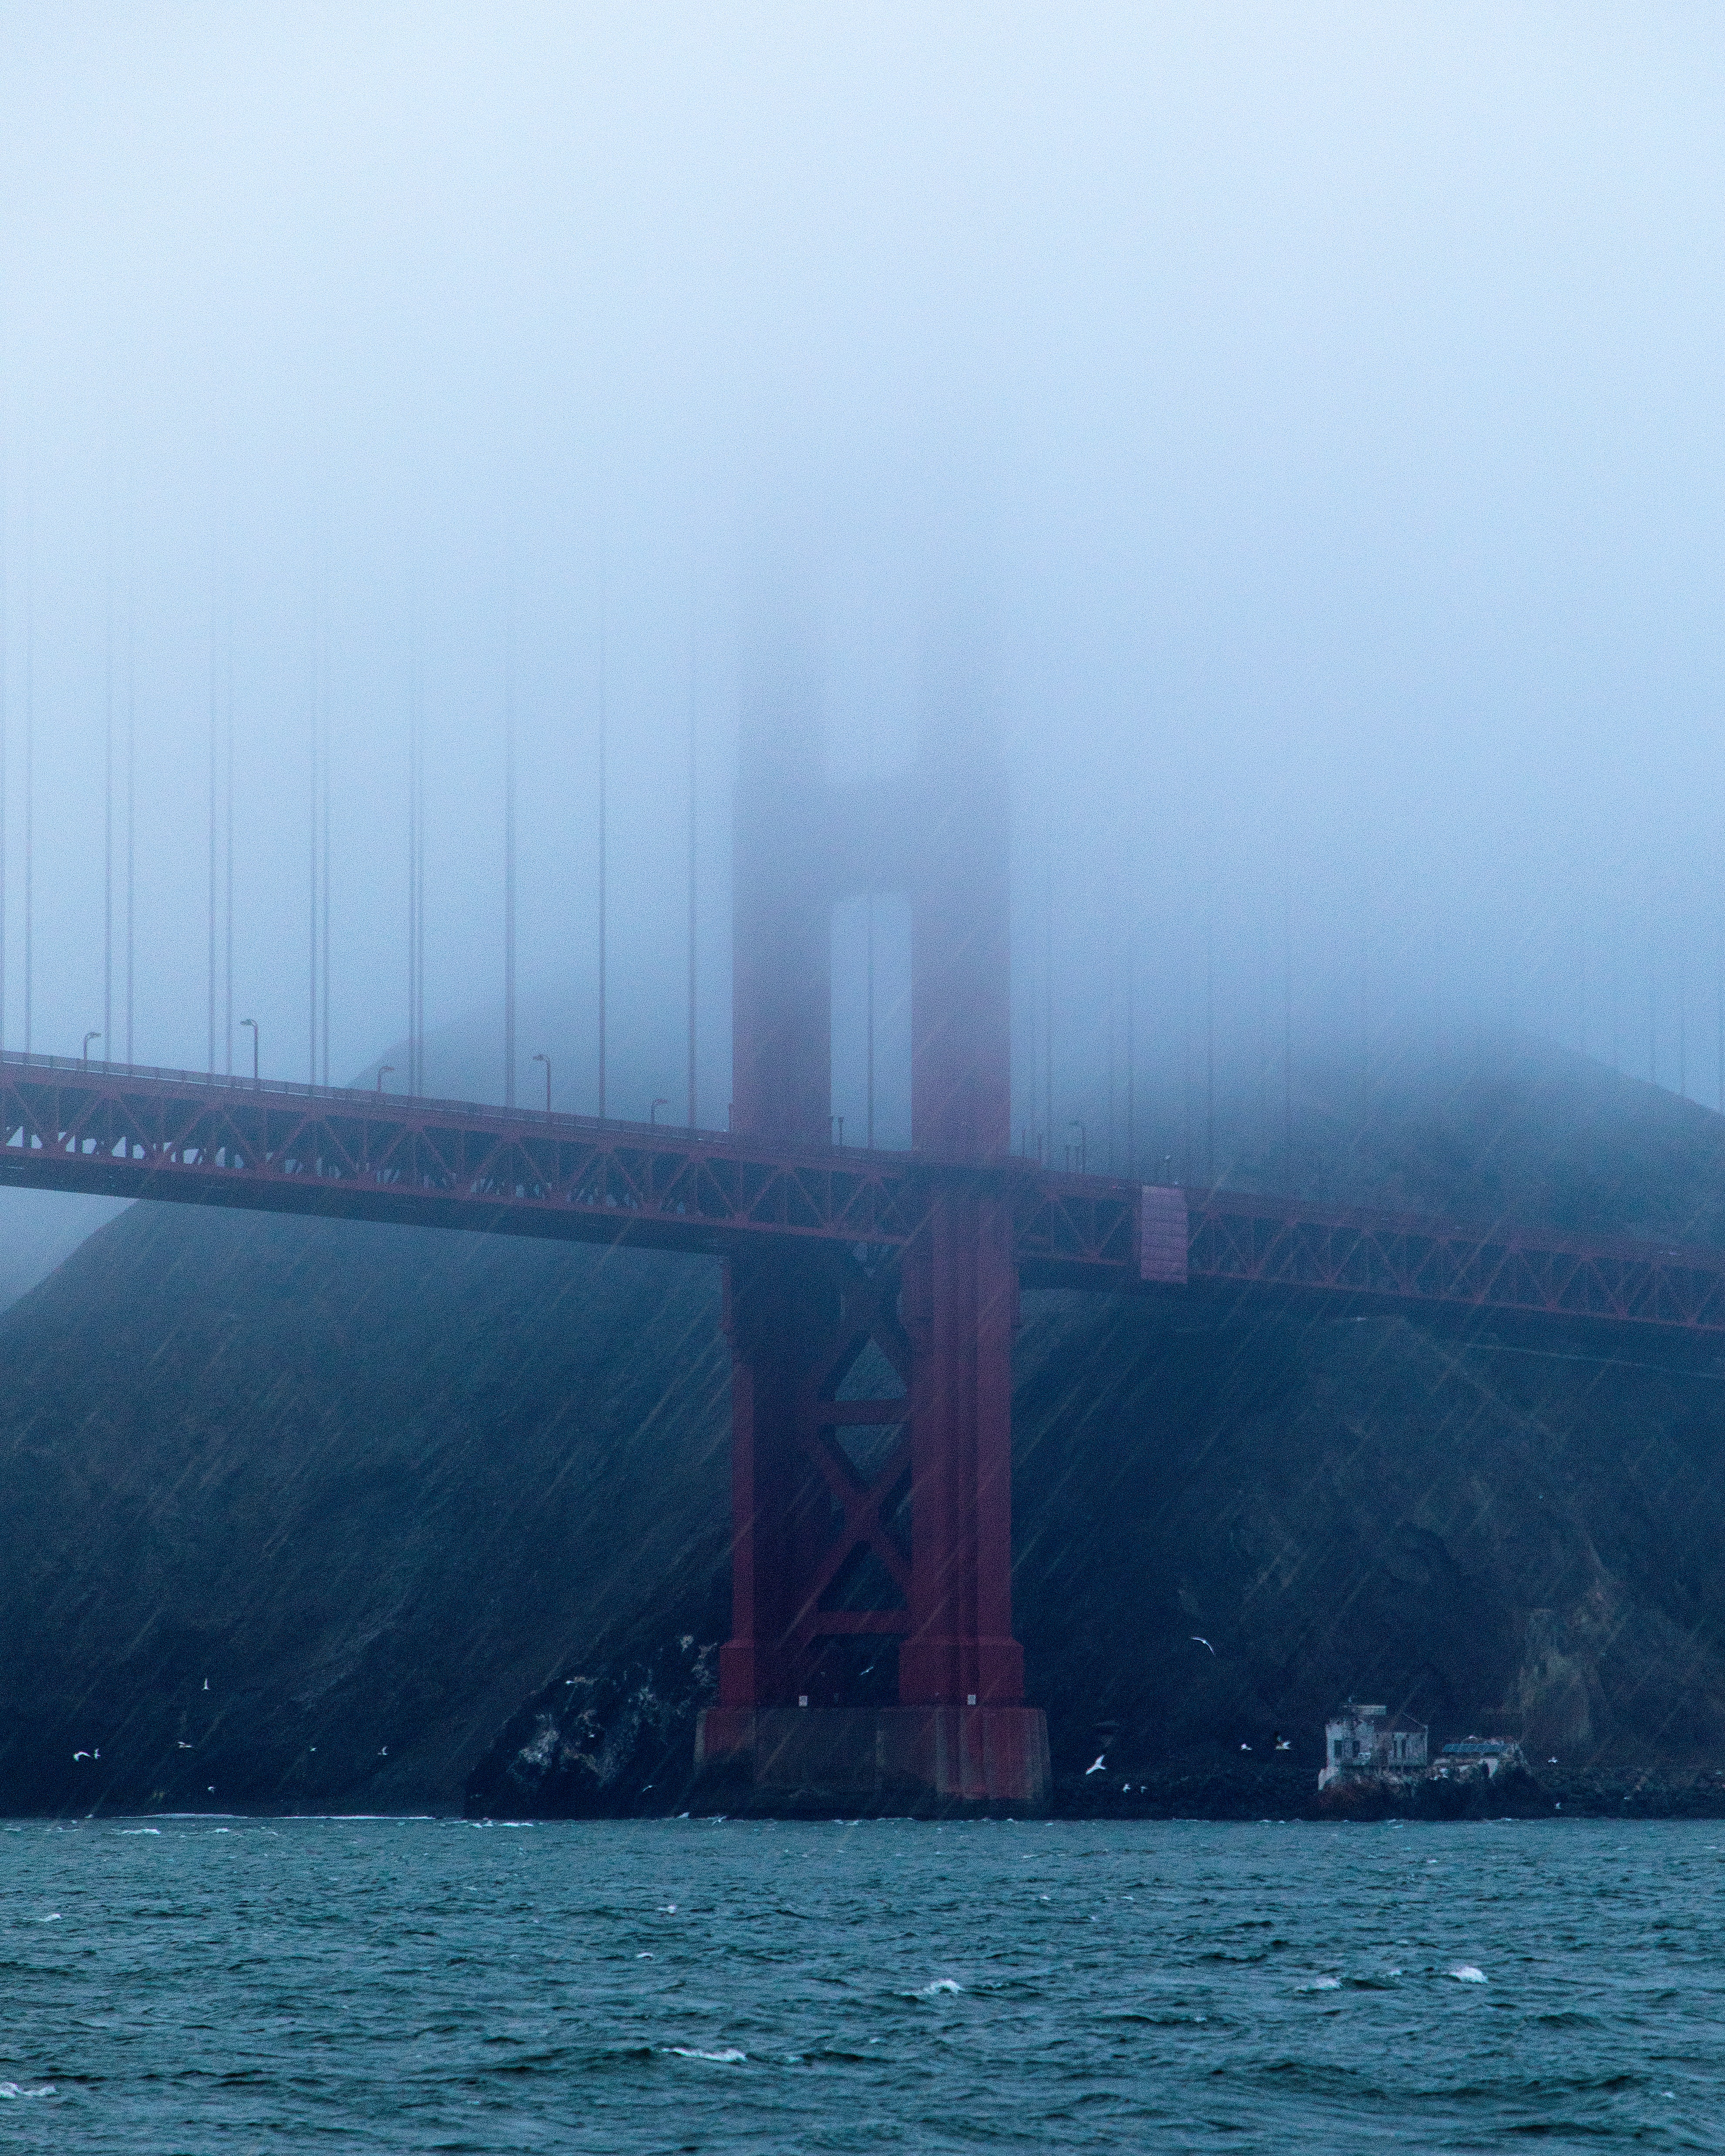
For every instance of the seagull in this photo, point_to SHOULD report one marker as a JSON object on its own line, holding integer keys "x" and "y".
{"x": 1245, "y": 1748}
{"x": 183, "y": 1744}
{"x": 83, "y": 1755}
{"x": 382, "y": 1751}
{"x": 1198, "y": 1640}
{"x": 1284, "y": 1743}
{"x": 1096, "y": 1765}
{"x": 206, "y": 1684}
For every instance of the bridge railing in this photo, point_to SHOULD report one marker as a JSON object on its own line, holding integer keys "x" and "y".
{"x": 371, "y": 1099}
{"x": 352, "y": 1096}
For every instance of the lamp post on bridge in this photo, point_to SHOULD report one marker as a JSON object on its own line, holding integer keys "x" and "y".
{"x": 95, "y": 1034}
{"x": 1082, "y": 1148}
{"x": 653, "y": 1113}
{"x": 253, "y": 1023}
{"x": 545, "y": 1060}
{"x": 384, "y": 1070}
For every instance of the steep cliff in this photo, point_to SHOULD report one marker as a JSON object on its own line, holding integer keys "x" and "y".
{"x": 328, "y": 1516}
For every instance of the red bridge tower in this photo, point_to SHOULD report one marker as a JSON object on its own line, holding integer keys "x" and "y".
{"x": 871, "y": 1390}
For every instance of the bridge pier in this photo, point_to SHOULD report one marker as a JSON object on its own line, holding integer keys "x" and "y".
{"x": 870, "y": 1524}
{"x": 871, "y": 1392}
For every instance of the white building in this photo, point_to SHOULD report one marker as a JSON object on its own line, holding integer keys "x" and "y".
{"x": 1369, "y": 1740}
{"x": 1475, "y": 1755}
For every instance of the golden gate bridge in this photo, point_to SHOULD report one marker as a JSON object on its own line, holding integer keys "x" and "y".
{"x": 871, "y": 1295}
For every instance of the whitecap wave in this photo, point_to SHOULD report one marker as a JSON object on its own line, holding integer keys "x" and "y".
{"x": 1464, "y": 1971}
{"x": 716, "y": 2058}
{"x": 9, "y": 2090}
{"x": 940, "y": 1984}
{"x": 1320, "y": 1984}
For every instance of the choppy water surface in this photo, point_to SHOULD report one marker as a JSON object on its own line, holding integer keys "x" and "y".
{"x": 417, "y": 1985}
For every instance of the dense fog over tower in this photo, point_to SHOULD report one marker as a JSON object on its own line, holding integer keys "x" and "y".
{"x": 1301, "y": 423}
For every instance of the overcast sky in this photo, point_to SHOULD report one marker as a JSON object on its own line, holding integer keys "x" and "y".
{"x": 1315, "y": 411}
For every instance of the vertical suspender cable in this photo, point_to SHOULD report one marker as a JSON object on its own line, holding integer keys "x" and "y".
{"x": 1048, "y": 992}
{"x": 311, "y": 862}
{"x": 1209, "y": 1050}
{"x": 1132, "y": 1043}
{"x": 29, "y": 772}
{"x": 328, "y": 764}
{"x": 214, "y": 769}
{"x": 869, "y": 904}
{"x": 5, "y": 596}
{"x": 108, "y": 793}
{"x": 508, "y": 856}
{"x": 1111, "y": 967}
{"x": 1287, "y": 1028}
{"x": 415, "y": 895}
{"x": 416, "y": 871}
{"x": 694, "y": 838}
{"x": 603, "y": 863}
{"x": 227, "y": 830}
{"x": 416, "y": 1002}
{"x": 130, "y": 768}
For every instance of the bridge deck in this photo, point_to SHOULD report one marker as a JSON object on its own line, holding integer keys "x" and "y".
{"x": 127, "y": 1132}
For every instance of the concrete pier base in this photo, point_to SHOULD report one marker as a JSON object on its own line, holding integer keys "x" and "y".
{"x": 907, "y": 1761}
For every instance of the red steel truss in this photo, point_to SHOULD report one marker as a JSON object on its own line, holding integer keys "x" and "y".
{"x": 1259, "y": 1242}
{"x": 174, "y": 1135}
{"x": 364, "y": 1155}
{"x": 1083, "y": 1231}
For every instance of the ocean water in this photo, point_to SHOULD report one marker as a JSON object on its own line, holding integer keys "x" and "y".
{"x": 377, "y": 1985}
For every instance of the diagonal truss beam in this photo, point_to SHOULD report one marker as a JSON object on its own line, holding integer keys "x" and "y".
{"x": 172, "y": 1135}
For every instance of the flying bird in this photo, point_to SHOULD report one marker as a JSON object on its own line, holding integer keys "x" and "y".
{"x": 1245, "y": 1748}
{"x": 1096, "y": 1764}
{"x": 1198, "y": 1640}
{"x": 83, "y": 1755}
{"x": 183, "y": 1744}
{"x": 1284, "y": 1743}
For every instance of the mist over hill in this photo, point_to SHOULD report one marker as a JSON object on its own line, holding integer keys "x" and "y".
{"x": 322, "y": 1514}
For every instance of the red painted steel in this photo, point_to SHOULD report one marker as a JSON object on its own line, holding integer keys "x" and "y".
{"x": 807, "y": 1507}
{"x": 174, "y": 1136}
{"x": 1260, "y": 1243}
{"x": 178, "y": 1135}
{"x": 941, "y": 1308}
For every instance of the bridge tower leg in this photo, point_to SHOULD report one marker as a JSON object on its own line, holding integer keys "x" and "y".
{"x": 864, "y": 1523}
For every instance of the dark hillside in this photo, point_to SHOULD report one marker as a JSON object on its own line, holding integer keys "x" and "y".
{"x": 330, "y": 1516}
{"x": 299, "y": 1511}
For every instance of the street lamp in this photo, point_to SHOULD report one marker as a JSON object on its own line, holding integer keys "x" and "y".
{"x": 95, "y": 1034}
{"x": 1083, "y": 1144}
{"x": 384, "y": 1070}
{"x": 545, "y": 1060}
{"x": 653, "y": 1113}
{"x": 253, "y": 1023}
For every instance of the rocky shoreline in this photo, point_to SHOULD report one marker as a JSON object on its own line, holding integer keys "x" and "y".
{"x": 619, "y": 1745}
